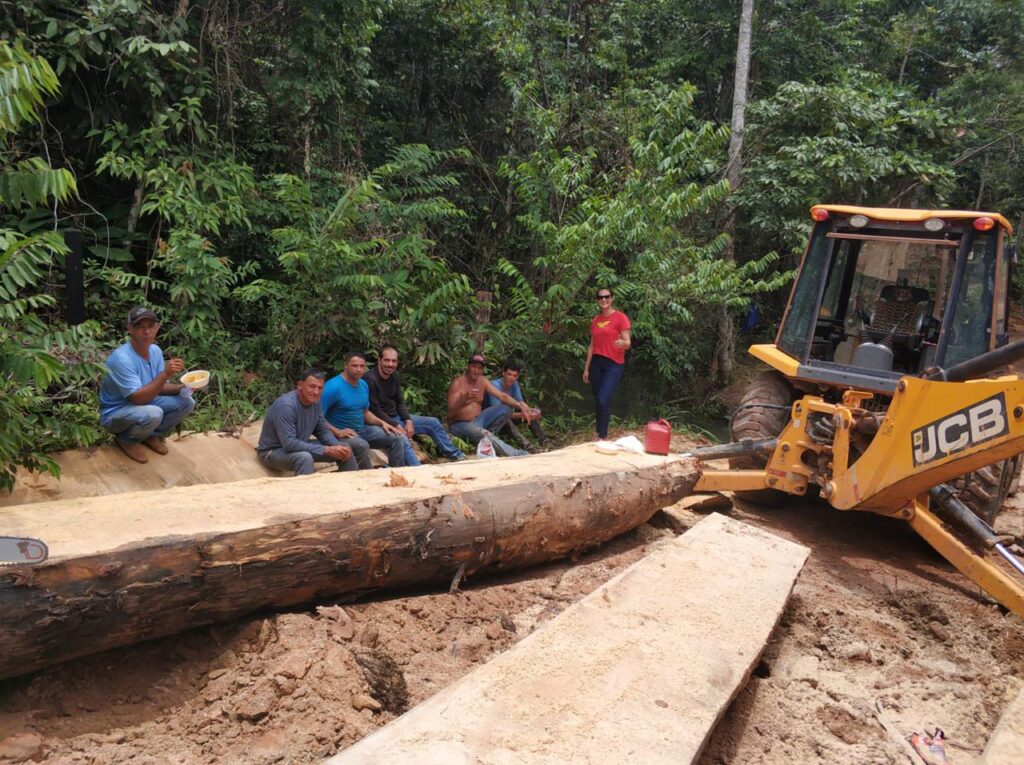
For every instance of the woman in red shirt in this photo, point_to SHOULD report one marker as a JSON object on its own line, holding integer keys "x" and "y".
{"x": 606, "y": 357}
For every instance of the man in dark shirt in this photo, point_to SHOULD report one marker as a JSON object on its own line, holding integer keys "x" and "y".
{"x": 388, "y": 403}
{"x": 285, "y": 438}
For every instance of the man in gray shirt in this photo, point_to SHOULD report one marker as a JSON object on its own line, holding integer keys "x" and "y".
{"x": 285, "y": 438}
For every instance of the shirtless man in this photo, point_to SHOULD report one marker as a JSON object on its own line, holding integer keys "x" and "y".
{"x": 467, "y": 417}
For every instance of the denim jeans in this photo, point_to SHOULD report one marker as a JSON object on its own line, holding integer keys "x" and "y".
{"x": 512, "y": 428}
{"x": 360, "y": 452}
{"x": 378, "y": 438}
{"x": 301, "y": 463}
{"x": 432, "y": 427}
{"x": 134, "y": 423}
{"x": 605, "y": 375}
{"x": 411, "y": 460}
{"x": 491, "y": 419}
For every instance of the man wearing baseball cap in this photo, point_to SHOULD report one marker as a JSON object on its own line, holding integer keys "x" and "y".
{"x": 466, "y": 416}
{"x": 137, "y": 403}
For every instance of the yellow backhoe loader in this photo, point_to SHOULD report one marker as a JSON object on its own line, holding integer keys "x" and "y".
{"x": 879, "y": 396}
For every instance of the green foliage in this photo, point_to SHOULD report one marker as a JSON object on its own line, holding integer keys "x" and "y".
{"x": 185, "y": 177}
{"x": 642, "y": 229}
{"x": 861, "y": 140}
{"x": 25, "y": 80}
{"x": 360, "y": 270}
{"x": 33, "y": 374}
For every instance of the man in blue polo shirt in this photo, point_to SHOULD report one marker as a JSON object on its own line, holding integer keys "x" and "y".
{"x": 346, "y": 407}
{"x": 509, "y": 383}
{"x": 137, "y": 403}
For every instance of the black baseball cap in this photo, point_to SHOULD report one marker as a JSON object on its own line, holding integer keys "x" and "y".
{"x": 477, "y": 358}
{"x": 140, "y": 312}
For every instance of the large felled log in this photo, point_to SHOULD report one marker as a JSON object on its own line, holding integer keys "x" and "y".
{"x": 143, "y": 565}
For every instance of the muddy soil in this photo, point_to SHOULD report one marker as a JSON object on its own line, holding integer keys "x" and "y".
{"x": 876, "y": 620}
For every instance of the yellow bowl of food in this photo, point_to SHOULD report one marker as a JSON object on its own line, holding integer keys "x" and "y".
{"x": 196, "y": 379}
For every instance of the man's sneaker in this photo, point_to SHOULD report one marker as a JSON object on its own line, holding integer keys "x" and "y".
{"x": 135, "y": 451}
{"x": 156, "y": 444}
{"x": 457, "y": 458}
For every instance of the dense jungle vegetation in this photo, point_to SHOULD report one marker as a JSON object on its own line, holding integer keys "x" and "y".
{"x": 285, "y": 181}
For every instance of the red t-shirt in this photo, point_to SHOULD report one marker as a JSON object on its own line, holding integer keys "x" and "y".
{"x": 604, "y": 331}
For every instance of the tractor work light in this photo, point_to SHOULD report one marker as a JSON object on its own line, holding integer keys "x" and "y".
{"x": 984, "y": 223}
{"x": 934, "y": 224}
{"x": 859, "y": 221}
{"x": 819, "y": 215}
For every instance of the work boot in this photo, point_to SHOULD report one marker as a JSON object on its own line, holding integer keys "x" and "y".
{"x": 156, "y": 444}
{"x": 135, "y": 451}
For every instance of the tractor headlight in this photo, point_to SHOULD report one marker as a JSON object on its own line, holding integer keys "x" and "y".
{"x": 934, "y": 224}
{"x": 859, "y": 221}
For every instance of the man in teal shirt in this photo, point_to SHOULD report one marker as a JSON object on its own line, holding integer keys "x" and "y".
{"x": 346, "y": 407}
{"x": 509, "y": 383}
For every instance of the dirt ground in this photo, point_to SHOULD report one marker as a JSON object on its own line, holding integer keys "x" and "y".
{"x": 875, "y": 618}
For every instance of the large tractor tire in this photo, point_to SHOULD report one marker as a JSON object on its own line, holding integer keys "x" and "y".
{"x": 985, "y": 490}
{"x": 763, "y": 413}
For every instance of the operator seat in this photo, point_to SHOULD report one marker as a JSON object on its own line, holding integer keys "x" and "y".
{"x": 900, "y": 313}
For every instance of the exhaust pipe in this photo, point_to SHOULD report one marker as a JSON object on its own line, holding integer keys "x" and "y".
{"x": 979, "y": 366}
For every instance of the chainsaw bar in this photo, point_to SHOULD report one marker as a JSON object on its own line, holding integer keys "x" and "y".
{"x": 16, "y": 551}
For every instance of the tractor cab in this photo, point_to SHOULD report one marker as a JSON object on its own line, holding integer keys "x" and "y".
{"x": 882, "y": 293}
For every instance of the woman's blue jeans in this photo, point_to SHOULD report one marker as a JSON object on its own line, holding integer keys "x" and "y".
{"x": 605, "y": 375}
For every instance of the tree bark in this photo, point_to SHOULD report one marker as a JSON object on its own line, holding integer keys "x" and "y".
{"x": 138, "y": 566}
{"x": 726, "y": 355}
{"x": 485, "y": 301}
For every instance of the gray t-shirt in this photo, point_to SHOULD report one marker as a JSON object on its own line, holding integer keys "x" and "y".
{"x": 288, "y": 425}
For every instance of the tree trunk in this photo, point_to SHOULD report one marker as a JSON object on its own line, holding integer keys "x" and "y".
{"x": 726, "y": 356}
{"x": 485, "y": 301}
{"x": 143, "y": 565}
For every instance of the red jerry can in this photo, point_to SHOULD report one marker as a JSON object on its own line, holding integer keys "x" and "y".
{"x": 658, "y": 437}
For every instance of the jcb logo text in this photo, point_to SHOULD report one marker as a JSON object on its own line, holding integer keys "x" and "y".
{"x": 961, "y": 430}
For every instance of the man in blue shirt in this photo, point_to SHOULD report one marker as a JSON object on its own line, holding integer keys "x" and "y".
{"x": 137, "y": 403}
{"x": 509, "y": 383}
{"x": 346, "y": 407}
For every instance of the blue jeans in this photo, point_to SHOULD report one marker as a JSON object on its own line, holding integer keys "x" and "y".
{"x": 134, "y": 423}
{"x": 432, "y": 427}
{"x": 301, "y": 463}
{"x": 378, "y": 438}
{"x": 605, "y": 375}
{"x": 489, "y": 420}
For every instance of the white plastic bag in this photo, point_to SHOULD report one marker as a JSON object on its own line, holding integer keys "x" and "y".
{"x": 630, "y": 444}
{"x": 485, "y": 447}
